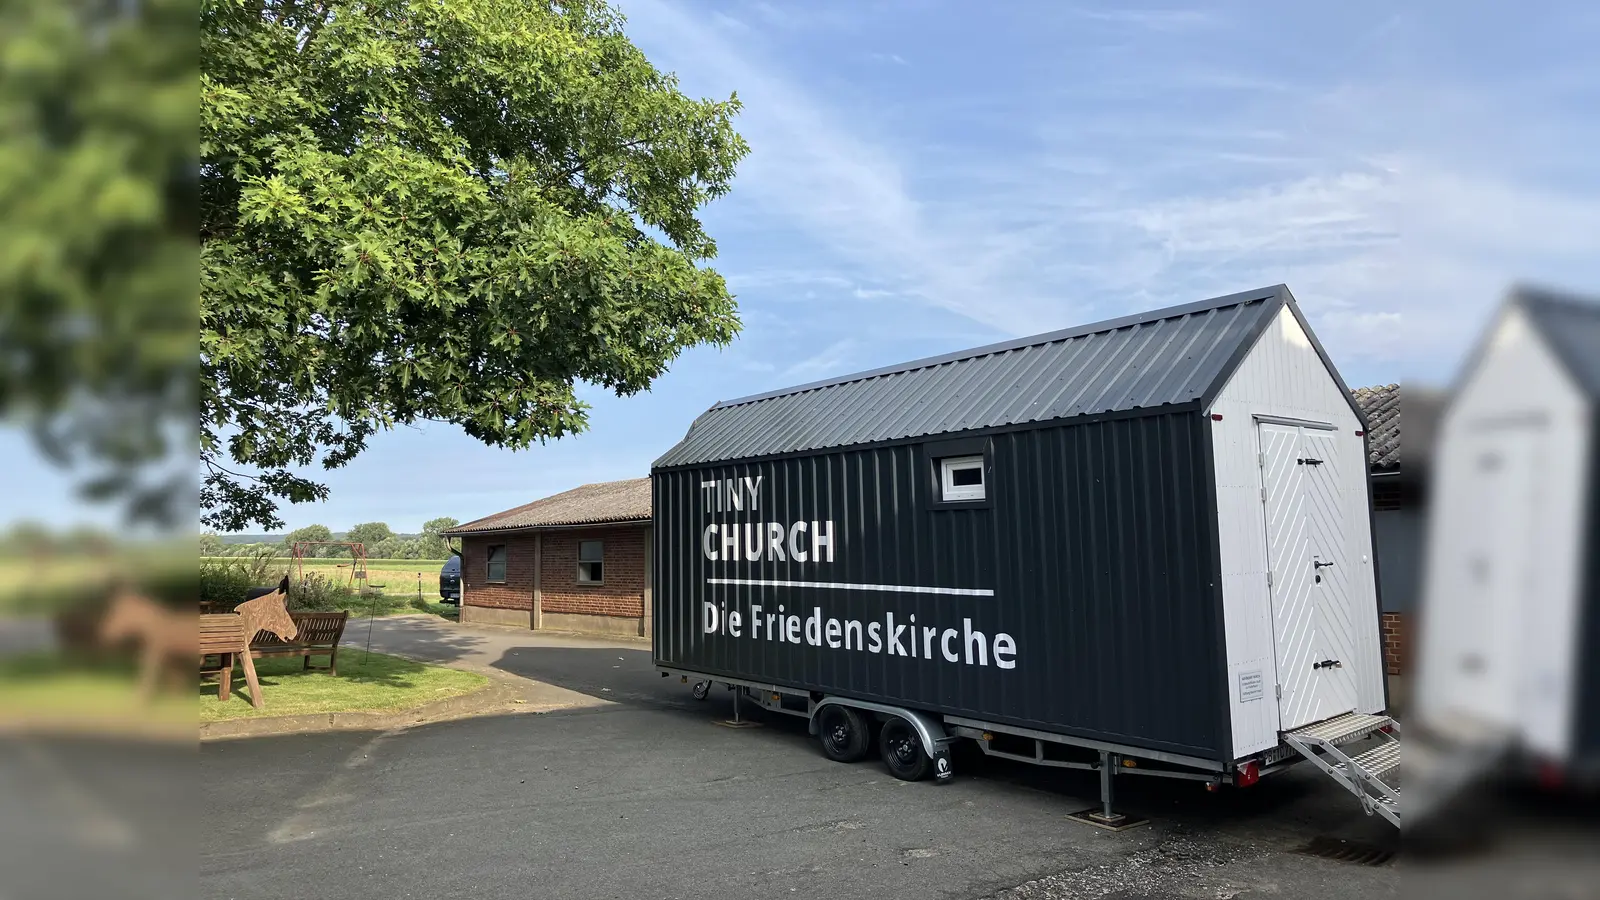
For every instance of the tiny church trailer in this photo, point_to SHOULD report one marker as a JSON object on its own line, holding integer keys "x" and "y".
{"x": 1510, "y": 644}
{"x": 1148, "y": 537}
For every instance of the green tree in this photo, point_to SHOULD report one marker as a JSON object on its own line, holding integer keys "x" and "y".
{"x": 369, "y": 533}
{"x": 388, "y": 548}
{"x": 97, "y": 264}
{"x": 308, "y": 533}
{"x": 437, "y": 210}
{"x": 435, "y": 526}
{"x": 432, "y": 544}
{"x": 211, "y": 544}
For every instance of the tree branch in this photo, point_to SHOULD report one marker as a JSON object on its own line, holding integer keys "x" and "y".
{"x": 580, "y": 167}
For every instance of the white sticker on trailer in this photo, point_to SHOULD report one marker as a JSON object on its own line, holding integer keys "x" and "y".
{"x": 1251, "y": 686}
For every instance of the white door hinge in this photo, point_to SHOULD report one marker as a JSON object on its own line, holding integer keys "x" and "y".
{"x": 1278, "y": 689}
{"x": 1269, "y": 578}
{"x": 1263, "y": 495}
{"x": 1261, "y": 460}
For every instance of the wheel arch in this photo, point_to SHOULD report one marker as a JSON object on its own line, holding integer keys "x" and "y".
{"x": 929, "y": 729}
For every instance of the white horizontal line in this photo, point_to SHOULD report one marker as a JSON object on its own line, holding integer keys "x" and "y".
{"x": 845, "y": 586}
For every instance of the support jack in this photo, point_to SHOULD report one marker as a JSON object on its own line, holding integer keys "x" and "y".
{"x": 1104, "y": 816}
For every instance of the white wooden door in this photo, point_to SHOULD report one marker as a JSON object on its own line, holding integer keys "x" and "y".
{"x": 1488, "y": 521}
{"x": 1311, "y": 573}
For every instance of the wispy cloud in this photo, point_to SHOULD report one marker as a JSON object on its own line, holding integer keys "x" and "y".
{"x": 1380, "y": 196}
{"x": 1165, "y": 20}
{"x": 895, "y": 58}
{"x": 849, "y": 191}
{"x": 862, "y": 293}
{"x": 1058, "y": 165}
{"x": 835, "y": 359}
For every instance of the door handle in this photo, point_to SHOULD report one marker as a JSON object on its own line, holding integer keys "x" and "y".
{"x": 1318, "y": 564}
{"x": 1328, "y": 664}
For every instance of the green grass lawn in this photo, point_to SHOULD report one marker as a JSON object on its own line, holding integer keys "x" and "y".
{"x": 45, "y": 687}
{"x": 366, "y": 683}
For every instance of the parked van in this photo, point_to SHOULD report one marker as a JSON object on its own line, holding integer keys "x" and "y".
{"x": 450, "y": 580}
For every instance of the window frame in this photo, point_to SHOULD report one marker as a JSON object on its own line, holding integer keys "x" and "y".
{"x": 488, "y": 562}
{"x": 950, "y": 492}
{"x": 601, "y": 562}
{"x": 934, "y": 453}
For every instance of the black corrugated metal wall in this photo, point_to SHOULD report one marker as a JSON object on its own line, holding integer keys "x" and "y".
{"x": 1586, "y": 667}
{"x": 1095, "y": 539}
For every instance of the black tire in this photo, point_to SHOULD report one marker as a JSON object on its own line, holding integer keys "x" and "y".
{"x": 902, "y": 751}
{"x": 843, "y": 733}
{"x": 701, "y": 690}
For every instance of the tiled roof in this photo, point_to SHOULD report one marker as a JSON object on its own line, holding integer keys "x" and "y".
{"x": 591, "y": 504}
{"x": 1381, "y": 406}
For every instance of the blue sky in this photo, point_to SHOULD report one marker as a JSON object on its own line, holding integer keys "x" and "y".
{"x": 926, "y": 177}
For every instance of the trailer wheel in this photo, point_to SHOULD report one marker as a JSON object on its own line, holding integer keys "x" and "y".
{"x": 843, "y": 732}
{"x": 902, "y": 751}
{"x": 701, "y": 690}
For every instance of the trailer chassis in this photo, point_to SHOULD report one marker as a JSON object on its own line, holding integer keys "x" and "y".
{"x": 938, "y": 733}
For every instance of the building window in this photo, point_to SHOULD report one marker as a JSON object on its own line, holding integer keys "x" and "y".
{"x": 495, "y": 569}
{"x": 1385, "y": 494}
{"x": 961, "y": 478}
{"x": 591, "y": 559}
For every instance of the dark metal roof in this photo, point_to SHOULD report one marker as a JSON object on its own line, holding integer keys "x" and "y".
{"x": 1145, "y": 361}
{"x": 1381, "y": 406}
{"x": 1571, "y": 325}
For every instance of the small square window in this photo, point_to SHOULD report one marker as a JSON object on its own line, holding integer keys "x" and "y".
{"x": 1385, "y": 494}
{"x": 961, "y": 478}
{"x": 495, "y": 570}
{"x": 591, "y": 562}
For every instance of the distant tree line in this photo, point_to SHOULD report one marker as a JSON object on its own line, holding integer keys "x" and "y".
{"x": 36, "y": 539}
{"x": 380, "y": 540}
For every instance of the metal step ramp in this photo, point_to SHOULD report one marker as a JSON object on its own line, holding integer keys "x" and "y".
{"x": 1446, "y": 757}
{"x": 1372, "y": 772}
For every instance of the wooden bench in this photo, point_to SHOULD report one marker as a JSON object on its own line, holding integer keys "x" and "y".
{"x": 222, "y": 636}
{"x": 318, "y": 635}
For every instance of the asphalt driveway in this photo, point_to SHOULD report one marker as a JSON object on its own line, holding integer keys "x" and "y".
{"x": 644, "y": 794}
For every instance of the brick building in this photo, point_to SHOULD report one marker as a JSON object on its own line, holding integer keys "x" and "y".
{"x": 574, "y": 561}
{"x": 1398, "y": 505}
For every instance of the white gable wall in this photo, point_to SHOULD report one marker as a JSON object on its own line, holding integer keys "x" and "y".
{"x": 1283, "y": 377}
{"x": 1503, "y": 560}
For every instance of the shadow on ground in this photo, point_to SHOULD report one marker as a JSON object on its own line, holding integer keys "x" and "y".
{"x": 623, "y": 673}
{"x": 1314, "y": 804}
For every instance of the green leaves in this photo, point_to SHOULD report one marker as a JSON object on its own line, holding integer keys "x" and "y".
{"x": 438, "y": 209}
{"x": 97, "y": 197}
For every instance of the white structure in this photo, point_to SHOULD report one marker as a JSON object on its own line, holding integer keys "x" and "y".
{"x": 1298, "y": 584}
{"x": 1510, "y": 621}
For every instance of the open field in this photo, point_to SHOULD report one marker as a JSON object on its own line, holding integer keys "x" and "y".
{"x": 395, "y": 576}
{"x": 23, "y": 579}
{"x": 41, "y": 583}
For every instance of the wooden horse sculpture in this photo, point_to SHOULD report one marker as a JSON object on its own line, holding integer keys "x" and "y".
{"x": 167, "y": 639}
{"x": 268, "y": 612}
